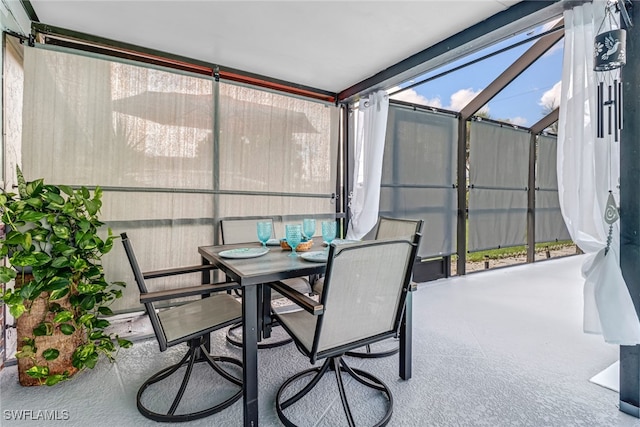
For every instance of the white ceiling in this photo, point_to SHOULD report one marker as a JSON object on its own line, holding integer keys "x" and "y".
{"x": 327, "y": 45}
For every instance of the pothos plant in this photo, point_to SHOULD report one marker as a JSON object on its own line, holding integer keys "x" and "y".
{"x": 53, "y": 230}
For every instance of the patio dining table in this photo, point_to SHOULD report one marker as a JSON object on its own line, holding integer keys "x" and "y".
{"x": 254, "y": 275}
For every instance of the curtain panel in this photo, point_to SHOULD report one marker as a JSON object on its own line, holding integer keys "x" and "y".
{"x": 550, "y": 225}
{"x": 419, "y": 173}
{"x": 370, "y": 125}
{"x": 588, "y": 171}
{"x": 498, "y": 171}
{"x": 174, "y": 152}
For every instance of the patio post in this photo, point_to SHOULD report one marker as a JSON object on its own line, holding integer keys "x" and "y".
{"x": 630, "y": 210}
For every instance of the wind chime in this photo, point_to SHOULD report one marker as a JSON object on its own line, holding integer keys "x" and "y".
{"x": 610, "y": 54}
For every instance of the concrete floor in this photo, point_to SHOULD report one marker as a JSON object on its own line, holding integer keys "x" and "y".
{"x": 503, "y": 347}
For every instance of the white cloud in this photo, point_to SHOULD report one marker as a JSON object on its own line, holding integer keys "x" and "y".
{"x": 461, "y": 98}
{"x": 551, "y": 98}
{"x": 518, "y": 121}
{"x": 414, "y": 97}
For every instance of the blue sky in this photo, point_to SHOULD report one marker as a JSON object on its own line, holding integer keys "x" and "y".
{"x": 520, "y": 102}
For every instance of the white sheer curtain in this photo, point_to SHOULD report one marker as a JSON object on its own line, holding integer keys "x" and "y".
{"x": 588, "y": 169}
{"x": 371, "y": 126}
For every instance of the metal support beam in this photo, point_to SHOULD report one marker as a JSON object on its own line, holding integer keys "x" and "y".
{"x": 630, "y": 209}
{"x": 514, "y": 70}
{"x": 461, "y": 247}
{"x": 536, "y": 129}
{"x": 545, "y": 122}
{"x": 531, "y": 201}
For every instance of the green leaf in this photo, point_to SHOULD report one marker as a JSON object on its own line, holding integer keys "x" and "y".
{"x": 14, "y": 238}
{"x": 63, "y": 316}
{"x": 26, "y": 351}
{"x": 106, "y": 345}
{"x": 96, "y": 335}
{"x": 54, "y": 198}
{"x": 22, "y": 184}
{"x": 60, "y": 262}
{"x": 17, "y": 310}
{"x": 29, "y": 259}
{"x": 7, "y": 274}
{"x": 79, "y": 263}
{"x": 50, "y": 354}
{"x": 101, "y": 323}
{"x": 57, "y": 283}
{"x": 67, "y": 329}
{"x": 106, "y": 311}
{"x": 84, "y": 192}
{"x": 31, "y": 216}
{"x": 61, "y": 231}
{"x": 55, "y": 379}
{"x": 38, "y": 372}
{"x": 34, "y": 203}
{"x": 43, "y": 329}
{"x": 29, "y": 291}
{"x": 91, "y": 361}
{"x": 88, "y": 302}
{"x": 93, "y": 206}
{"x": 124, "y": 343}
{"x": 66, "y": 189}
{"x": 59, "y": 293}
{"x": 89, "y": 288}
{"x": 86, "y": 319}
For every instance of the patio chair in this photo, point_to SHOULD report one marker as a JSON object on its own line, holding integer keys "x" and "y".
{"x": 386, "y": 228}
{"x": 365, "y": 290}
{"x": 244, "y": 231}
{"x": 189, "y": 323}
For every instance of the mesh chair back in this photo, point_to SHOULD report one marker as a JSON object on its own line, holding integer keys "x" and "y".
{"x": 142, "y": 287}
{"x": 392, "y": 228}
{"x": 364, "y": 292}
{"x": 241, "y": 230}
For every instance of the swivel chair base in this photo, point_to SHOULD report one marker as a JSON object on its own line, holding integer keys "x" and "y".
{"x": 197, "y": 353}
{"x": 338, "y": 365}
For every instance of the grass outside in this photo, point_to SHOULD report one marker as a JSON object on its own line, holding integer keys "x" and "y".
{"x": 515, "y": 251}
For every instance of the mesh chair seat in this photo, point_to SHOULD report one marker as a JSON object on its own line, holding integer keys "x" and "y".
{"x": 188, "y": 323}
{"x": 198, "y": 317}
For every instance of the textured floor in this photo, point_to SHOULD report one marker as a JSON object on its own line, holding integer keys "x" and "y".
{"x": 498, "y": 348}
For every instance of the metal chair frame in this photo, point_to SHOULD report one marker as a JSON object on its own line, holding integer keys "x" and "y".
{"x": 197, "y": 341}
{"x": 368, "y": 353}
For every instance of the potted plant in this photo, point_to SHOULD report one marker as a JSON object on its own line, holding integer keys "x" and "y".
{"x": 60, "y": 294}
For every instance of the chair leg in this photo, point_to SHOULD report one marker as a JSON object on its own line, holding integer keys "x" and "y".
{"x": 196, "y": 353}
{"x": 338, "y": 365}
{"x": 343, "y": 395}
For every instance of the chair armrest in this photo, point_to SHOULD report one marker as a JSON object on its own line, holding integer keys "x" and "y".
{"x": 187, "y": 292}
{"x": 300, "y": 299}
{"x": 178, "y": 270}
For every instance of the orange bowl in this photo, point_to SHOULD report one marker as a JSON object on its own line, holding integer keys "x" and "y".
{"x": 303, "y": 246}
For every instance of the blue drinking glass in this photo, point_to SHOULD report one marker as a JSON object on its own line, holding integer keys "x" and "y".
{"x": 264, "y": 231}
{"x": 293, "y": 234}
{"x": 328, "y": 231}
{"x": 308, "y": 228}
